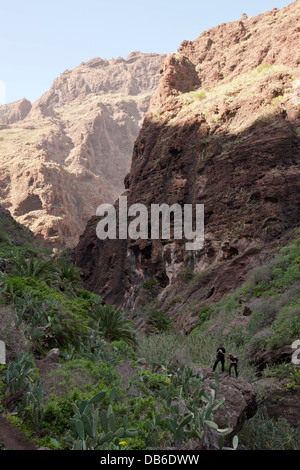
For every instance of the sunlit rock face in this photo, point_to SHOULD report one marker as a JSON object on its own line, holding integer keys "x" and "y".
{"x": 71, "y": 150}
{"x": 222, "y": 130}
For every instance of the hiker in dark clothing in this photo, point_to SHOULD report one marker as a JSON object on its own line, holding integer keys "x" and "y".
{"x": 220, "y": 357}
{"x": 233, "y": 363}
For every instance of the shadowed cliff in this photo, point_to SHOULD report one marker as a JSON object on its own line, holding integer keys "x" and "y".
{"x": 222, "y": 130}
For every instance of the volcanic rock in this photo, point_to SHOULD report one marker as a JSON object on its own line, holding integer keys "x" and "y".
{"x": 13, "y": 112}
{"x": 71, "y": 152}
{"x": 222, "y": 130}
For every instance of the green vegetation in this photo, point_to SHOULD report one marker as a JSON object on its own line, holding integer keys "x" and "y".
{"x": 277, "y": 288}
{"x": 158, "y": 321}
{"x": 84, "y": 405}
{"x": 176, "y": 299}
{"x": 113, "y": 323}
{"x": 200, "y": 95}
{"x": 272, "y": 294}
{"x": 204, "y": 314}
{"x": 264, "y": 433}
{"x": 187, "y": 274}
{"x": 294, "y": 383}
{"x": 243, "y": 87}
{"x": 85, "y": 401}
{"x": 100, "y": 395}
{"x": 263, "y": 67}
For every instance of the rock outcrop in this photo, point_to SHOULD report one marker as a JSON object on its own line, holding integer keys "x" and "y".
{"x": 240, "y": 399}
{"x": 239, "y": 405}
{"x": 222, "y": 130}
{"x": 71, "y": 152}
{"x": 279, "y": 399}
{"x": 13, "y": 112}
{"x": 13, "y": 231}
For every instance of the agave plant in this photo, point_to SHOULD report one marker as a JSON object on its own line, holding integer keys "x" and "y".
{"x": 68, "y": 272}
{"x": 113, "y": 324}
{"x": 35, "y": 268}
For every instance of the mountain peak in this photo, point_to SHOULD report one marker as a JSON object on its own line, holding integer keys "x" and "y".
{"x": 73, "y": 149}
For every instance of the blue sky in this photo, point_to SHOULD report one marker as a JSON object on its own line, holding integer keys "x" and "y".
{"x": 41, "y": 39}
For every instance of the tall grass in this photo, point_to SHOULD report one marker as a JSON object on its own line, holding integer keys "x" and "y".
{"x": 197, "y": 349}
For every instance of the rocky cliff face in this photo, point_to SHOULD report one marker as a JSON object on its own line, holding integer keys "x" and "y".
{"x": 13, "y": 112}
{"x": 73, "y": 149}
{"x": 222, "y": 130}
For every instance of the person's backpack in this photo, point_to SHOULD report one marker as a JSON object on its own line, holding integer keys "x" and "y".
{"x": 235, "y": 358}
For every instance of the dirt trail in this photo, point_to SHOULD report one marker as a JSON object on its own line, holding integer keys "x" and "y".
{"x": 12, "y": 438}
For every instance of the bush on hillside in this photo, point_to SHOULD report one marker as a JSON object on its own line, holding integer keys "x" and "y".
{"x": 113, "y": 324}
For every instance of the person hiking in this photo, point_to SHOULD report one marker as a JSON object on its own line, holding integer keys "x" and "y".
{"x": 233, "y": 363}
{"x": 220, "y": 357}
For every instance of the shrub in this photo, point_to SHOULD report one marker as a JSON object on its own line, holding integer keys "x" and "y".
{"x": 200, "y": 95}
{"x": 294, "y": 383}
{"x": 286, "y": 327}
{"x": 263, "y": 67}
{"x": 57, "y": 413}
{"x": 187, "y": 274}
{"x": 35, "y": 268}
{"x": 150, "y": 284}
{"x": 16, "y": 286}
{"x": 264, "y": 433}
{"x": 158, "y": 321}
{"x": 12, "y": 334}
{"x": 259, "y": 341}
{"x": 69, "y": 272}
{"x": 176, "y": 299}
{"x": 280, "y": 371}
{"x": 259, "y": 279}
{"x": 204, "y": 314}
{"x": 4, "y": 238}
{"x": 113, "y": 324}
{"x": 52, "y": 318}
{"x": 278, "y": 275}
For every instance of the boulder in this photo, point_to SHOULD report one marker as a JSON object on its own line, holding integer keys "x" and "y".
{"x": 240, "y": 399}
{"x": 275, "y": 356}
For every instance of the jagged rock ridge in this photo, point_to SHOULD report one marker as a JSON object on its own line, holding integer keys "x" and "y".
{"x": 71, "y": 152}
{"x": 13, "y": 112}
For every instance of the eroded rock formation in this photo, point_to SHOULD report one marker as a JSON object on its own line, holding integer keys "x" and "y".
{"x": 73, "y": 149}
{"x": 222, "y": 130}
